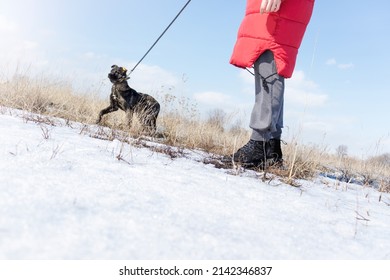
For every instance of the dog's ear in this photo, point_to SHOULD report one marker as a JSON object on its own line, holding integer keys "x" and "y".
{"x": 123, "y": 69}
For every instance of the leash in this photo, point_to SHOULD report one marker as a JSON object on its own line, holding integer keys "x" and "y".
{"x": 265, "y": 83}
{"x": 158, "y": 39}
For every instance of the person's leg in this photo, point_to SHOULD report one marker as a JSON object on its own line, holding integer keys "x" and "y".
{"x": 267, "y": 114}
{"x": 273, "y": 146}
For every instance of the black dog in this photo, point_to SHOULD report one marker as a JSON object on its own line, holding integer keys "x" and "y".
{"x": 129, "y": 100}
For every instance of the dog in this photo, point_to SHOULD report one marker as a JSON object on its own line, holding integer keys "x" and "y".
{"x": 130, "y": 101}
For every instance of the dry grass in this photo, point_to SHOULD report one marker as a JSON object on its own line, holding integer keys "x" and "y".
{"x": 49, "y": 98}
{"x": 181, "y": 126}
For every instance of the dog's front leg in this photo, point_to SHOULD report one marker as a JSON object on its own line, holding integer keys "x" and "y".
{"x": 113, "y": 105}
{"x": 109, "y": 109}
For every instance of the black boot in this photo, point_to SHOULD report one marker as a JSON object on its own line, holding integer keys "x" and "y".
{"x": 274, "y": 152}
{"x": 251, "y": 154}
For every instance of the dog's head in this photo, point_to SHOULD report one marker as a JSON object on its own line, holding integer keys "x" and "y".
{"x": 117, "y": 74}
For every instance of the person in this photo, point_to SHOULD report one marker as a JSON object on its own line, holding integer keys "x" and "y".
{"x": 268, "y": 39}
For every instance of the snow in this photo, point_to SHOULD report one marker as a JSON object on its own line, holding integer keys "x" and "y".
{"x": 70, "y": 197}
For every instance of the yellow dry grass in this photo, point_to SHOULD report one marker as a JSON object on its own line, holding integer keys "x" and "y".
{"x": 180, "y": 125}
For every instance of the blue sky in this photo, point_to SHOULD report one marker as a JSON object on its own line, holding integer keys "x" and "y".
{"x": 338, "y": 95}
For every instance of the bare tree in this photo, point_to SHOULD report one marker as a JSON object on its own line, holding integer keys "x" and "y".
{"x": 383, "y": 159}
{"x": 217, "y": 118}
{"x": 342, "y": 151}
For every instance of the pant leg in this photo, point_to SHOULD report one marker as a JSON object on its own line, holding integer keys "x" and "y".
{"x": 267, "y": 114}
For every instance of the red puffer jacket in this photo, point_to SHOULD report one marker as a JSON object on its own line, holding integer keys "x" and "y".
{"x": 280, "y": 32}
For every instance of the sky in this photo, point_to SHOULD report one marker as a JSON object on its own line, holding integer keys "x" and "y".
{"x": 338, "y": 94}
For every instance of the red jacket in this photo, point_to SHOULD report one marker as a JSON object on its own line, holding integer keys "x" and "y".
{"x": 280, "y": 32}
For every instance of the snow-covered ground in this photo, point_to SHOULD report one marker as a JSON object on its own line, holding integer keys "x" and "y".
{"x": 65, "y": 195}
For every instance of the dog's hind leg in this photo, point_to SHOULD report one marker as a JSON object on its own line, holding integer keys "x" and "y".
{"x": 156, "y": 111}
{"x": 150, "y": 124}
{"x": 129, "y": 117}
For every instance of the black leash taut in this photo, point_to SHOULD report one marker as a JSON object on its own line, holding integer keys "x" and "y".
{"x": 249, "y": 71}
{"x": 158, "y": 39}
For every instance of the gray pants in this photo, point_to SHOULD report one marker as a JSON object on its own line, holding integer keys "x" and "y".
{"x": 267, "y": 114}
